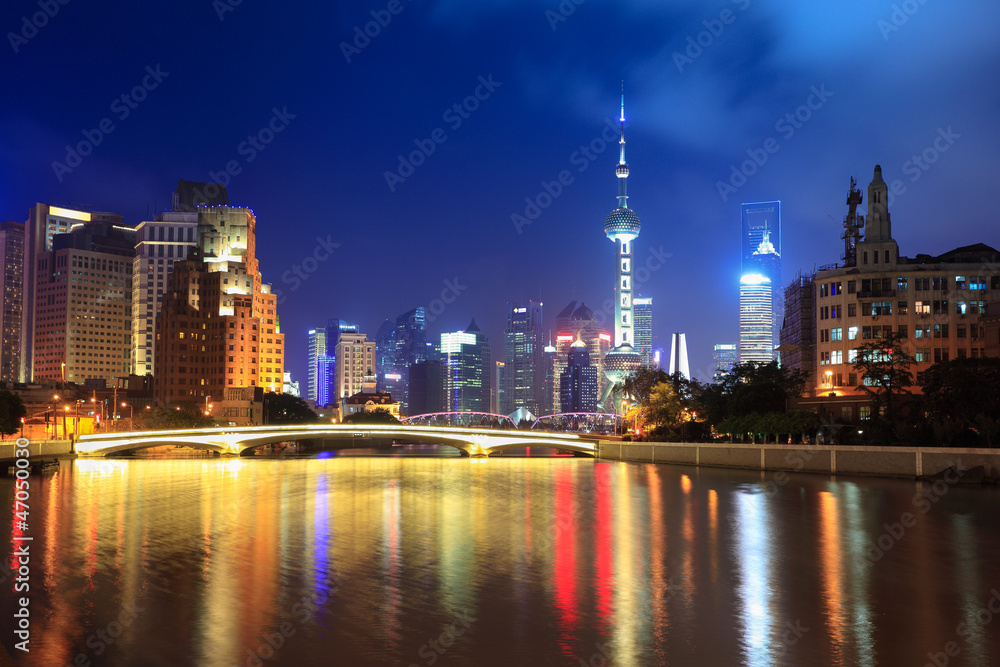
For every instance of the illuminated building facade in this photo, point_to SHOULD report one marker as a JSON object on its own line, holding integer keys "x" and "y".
{"x": 522, "y": 364}
{"x": 315, "y": 348}
{"x": 549, "y": 382}
{"x": 467, "y": 369}
{"x": 724, "y": 358}
{"x": 679, "y": 355}
{"x": 385, "y": 352}
{"x": 411, "y": 348}
{"x": 936, "y": 303}
{"x": 622, "y": 227}
{"x": 355, "y": 360}
{"x": 756, "y": 325}
{"x": 83, "y": 305}
{"x": 643, "y": 313}
{"x": 218, "y": 325}
{"x": 760, "y": 246}
{"x": 11, "y": 284}
{"x": 44, "y": 222}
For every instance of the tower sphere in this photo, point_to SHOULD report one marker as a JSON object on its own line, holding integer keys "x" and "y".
{"x": 622, "y": 223}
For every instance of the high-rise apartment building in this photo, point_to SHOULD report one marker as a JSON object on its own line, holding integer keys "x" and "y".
{"x": 11, "y": 283}
{"x": 467, "y": 369}
{"x": 44, "y": 222}
{"x": 315, "y": 348}
{"x": 522, "y": 363}
{"x": 578, "y": 383}
{"x": 622, "y": 227}
{"x": 355, "y": 360}
{"x": 643, "y": 314}
{"x": 936, "y": 303}
{"x": 83, "y": 305}
{"x": 760, "y": 247}
{"x": 218, "y": 325}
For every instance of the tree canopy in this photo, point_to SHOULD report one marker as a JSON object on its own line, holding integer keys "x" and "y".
{"x": 287, "y": 409}
{"x": 883, "y": 366}
{"x": 178, "y": 415}
{"x": 376, "y": 416}
{"x": 11, "y": 411}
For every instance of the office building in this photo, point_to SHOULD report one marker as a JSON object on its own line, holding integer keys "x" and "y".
{"x": 578, "y": 383}
{"x": 643, "y": 313}
{"x": 522, "y": 364}
{"x": 326, "y": 367}
{"x": 411, "y": 348}
{"x": 11, "y": 284}
{"x": 83, "y": 305}
{"x": 467, "y": 366}
{"x": 725, "y": 358}
{"x": 315, "y": 348}
{"x": 549, "y": 382}
{"x": 936, "y": 303}
{"x": 497, "y": 387}
{"x": 756, "y": 325}
{"x": 426, "y": 387}
{"x": 385, "y": 352}
{"x": 218, "y": 326}
{"x": 44, "y": 222}
{"x": 679, "y": 356}
{"x": 622, "y": 227}
{"x": 573, "y": 323}
{"x": 760, "y": 246}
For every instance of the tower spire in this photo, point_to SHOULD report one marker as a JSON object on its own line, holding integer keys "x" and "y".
{"x": 622, "y": 169}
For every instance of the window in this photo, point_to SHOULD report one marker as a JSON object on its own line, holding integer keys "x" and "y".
{"x": 837, "y": 357}
{"x": 824, "y": 335}
{"x": 852, "y": 310}
{"x": 865, "y": 412}
{"x": 835, "y": 289}
{"x": 866, "y": 333}
{"x": 886, "y": 256}
{"x": 922, "y": 284}
{"x": 837, "y": 334}
{"x": 960, "y": 331}
{"x": 940, "y": 307}
{"x": 881, "y": 308}
{"x": 940, "y": 355}
{"x": 901, "y": 308}
{"x": 824, "y": 359}
{"x": 864, "y": 257}
{"x": 922, "y": 355}
{"x": 851, "y": 284}
{"x": 902, "y": 331}
{"x": 960, "y": 282}
{"x": 834, "y": 313}
{"x": 875, "y": 256}
{"x": 940, "y": 283}
{"x": 852, "y": 379}
{"x": 922, "y": 307}
{"x": 922, "y": 332}
{"x": 824, "y": 290}
{"x": 852, "y": 333}
{"x": 901, "y": 284}
{"x": 940, "y": 330}
{"x": 961, "y": 353}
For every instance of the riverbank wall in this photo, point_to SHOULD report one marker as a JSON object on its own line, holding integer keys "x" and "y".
{"x": 36, "y": 448}
{"x": 907, "y": 462}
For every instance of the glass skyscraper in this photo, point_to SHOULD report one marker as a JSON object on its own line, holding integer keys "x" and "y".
{"x": 643, "y": 318}
{"x": 467, "y": 370}
{"x": 760, "y": 247}
{"x": 522, "y": 363}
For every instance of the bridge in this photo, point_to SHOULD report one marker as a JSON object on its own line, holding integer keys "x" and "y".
{"x": 234, "y": 441}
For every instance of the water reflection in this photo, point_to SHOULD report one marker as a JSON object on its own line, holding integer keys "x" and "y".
{"x": 366, "y": 561}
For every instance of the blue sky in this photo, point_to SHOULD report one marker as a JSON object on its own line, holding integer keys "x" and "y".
{"x": 895, "y": 78}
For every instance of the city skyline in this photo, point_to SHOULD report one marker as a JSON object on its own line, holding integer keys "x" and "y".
{"x": 283, "y": 150}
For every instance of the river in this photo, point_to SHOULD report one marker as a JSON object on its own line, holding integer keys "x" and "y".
{"x": 377, "y": 560}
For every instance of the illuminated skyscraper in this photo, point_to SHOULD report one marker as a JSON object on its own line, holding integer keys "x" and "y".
{"x": 577, "y": 322}
{"x": 644, "y": 330}
{"x": 411, "y": 348}
{"x": 622, "y": 226}
{"x": 578, "y": 384}
{"x": 725, "y": 358}
{"x": 316, "y": 349}
{"x": 522, "y": 363}
{"x": 11, "y": 281}
{"x": 760, "y": 245}
{"x": 756, "y": 326}
{"x": 467, "y": 370}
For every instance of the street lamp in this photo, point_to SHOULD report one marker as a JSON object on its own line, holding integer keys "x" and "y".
{"x": 126, "y": 405}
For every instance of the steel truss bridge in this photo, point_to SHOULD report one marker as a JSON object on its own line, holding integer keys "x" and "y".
{"x": 235, "y": 441}
{"x": 601, "y": 423}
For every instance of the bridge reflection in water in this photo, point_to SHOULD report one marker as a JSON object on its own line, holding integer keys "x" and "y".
{"x": 235, "y": 441}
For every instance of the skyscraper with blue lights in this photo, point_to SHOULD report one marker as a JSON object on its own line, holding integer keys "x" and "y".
{"x": 760, "y": 247}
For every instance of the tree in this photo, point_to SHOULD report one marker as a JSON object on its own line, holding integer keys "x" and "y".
{"x": 639, "y": 383}
{"x": 884, "y": 368}
{"x": 961, "y": 394}
{"x": 11, "y": 411}
{"x": 169, "y": 417}
{"x": 752, "y": 387}
{"x": 287, "y": 409}
{"x": 376, "y": 416}
{"x": 663, "y": 408}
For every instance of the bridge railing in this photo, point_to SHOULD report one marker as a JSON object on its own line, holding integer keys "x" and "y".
{"x": 601, "y": 423}
{"x": 465, "y": 419}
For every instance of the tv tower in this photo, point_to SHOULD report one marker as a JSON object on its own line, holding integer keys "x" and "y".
{"x": 622, "y": 226}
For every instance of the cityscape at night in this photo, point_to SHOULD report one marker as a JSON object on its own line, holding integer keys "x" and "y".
{"x": 316, "y": 350}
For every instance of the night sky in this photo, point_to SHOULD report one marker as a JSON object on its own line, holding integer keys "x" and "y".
{"x": 886, "y": 81}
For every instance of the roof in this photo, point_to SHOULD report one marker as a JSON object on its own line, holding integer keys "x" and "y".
{"x": 378, "y": 398}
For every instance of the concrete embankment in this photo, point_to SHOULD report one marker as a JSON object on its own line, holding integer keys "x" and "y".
{"x": 37, "y": 448}
{"x": 910, "y": 462}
